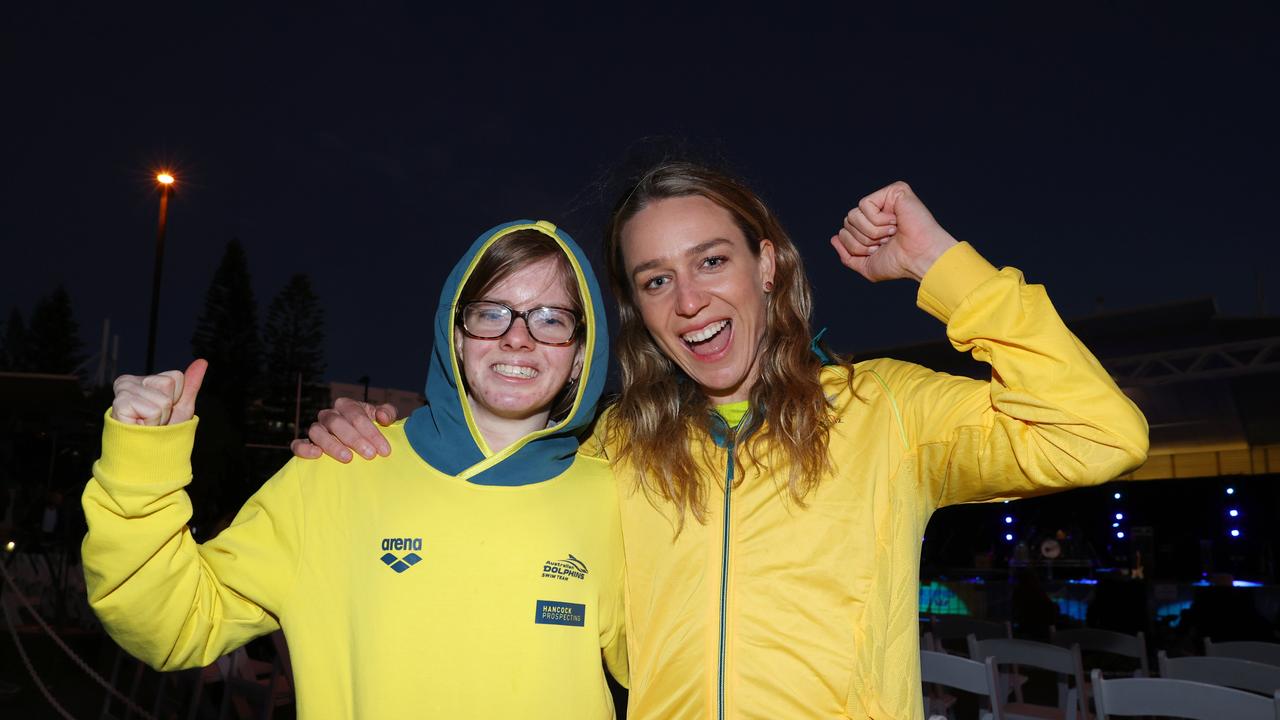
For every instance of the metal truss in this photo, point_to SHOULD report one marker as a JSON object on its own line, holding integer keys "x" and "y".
{"x": 1250, "y": 357}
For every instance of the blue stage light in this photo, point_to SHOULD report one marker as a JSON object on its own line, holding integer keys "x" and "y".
{"x": 1231, "y": 491}
{"x": 1233, "y": 512}
{"x": 1120, "y": 534}
{"x": 1235, "y": 533}
{"x": 1116, "y": 496}
{"x": 1008, "y": 537}
{"x": 1008, "y": 519}
{"x": 1119, "y": 516}
{"x": 1115, "y": 525}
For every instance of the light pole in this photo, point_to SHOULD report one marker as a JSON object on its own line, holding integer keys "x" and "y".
{"x": 165, "y": 181}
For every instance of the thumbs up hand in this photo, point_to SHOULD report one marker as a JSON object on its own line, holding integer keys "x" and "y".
{"x": 165, "y": 399}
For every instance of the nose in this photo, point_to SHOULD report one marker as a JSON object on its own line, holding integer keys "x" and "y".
{"x": 517, "y": 336}
{"x": 690, "y": 299}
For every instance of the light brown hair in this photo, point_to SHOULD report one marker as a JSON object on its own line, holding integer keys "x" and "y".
{"x": 660, "y": 410}
{"x": 507, "y": 255}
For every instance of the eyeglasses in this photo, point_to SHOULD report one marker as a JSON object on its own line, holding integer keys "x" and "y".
{"x": 548, "y": 325}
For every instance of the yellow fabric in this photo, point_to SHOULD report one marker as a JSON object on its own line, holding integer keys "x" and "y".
{"x": 734, "y": 412}
{"x": 821, "y": 601}
{"x": 452, "y": 636}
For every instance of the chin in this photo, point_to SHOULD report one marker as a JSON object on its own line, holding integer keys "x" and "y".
{"x": 515, "y": 407}
{"x": 717, "y": 383}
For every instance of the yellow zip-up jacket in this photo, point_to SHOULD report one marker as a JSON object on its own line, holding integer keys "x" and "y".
{"x": 773, "y": 610}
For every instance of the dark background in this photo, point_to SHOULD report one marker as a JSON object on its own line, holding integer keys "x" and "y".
{"x": 1121, "y": 154}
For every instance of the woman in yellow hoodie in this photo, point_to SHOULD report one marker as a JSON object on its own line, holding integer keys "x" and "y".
{"x": 477, "y": 573}
{"x": 773, "y": 497}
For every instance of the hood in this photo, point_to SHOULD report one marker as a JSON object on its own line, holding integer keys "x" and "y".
{"x": 444, "y": 434}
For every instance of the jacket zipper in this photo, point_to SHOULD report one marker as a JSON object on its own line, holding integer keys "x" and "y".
{"x": 731, "y": 436}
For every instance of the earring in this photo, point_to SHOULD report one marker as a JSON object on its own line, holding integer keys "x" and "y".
{"x": 768, "y": 286}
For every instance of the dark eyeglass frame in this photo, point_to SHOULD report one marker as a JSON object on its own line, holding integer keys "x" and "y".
{"x": 461, "y": 320}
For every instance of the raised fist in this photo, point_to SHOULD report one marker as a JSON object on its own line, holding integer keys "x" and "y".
{"x": 165, "y": 399}
{"x": 891, "y": 235}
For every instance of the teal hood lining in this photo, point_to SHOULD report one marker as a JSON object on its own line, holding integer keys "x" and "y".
{"x": 442, "y": 433}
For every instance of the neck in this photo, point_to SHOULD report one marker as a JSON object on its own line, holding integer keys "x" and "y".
{"x": 500, "y": 432}
{"x": 737, "y": 393}
{"x": 724, "y": 397}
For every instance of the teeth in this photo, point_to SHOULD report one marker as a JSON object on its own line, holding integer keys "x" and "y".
{"x": 515, "y": 371}
{"x": 705, "y": 333}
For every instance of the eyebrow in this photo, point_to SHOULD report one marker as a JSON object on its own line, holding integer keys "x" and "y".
{"x": 512, "y": 305}
{"x": 695, "y": 250}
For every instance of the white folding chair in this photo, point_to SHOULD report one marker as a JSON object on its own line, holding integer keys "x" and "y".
{"x": 1106, "y": 642}
{"x": 957, "y": 673}
{"x": 1263, "y": 652}
{"x": 1029, "y": 653}
{"x": 1228, "y": 672}
{"x": 1164, "y": 697}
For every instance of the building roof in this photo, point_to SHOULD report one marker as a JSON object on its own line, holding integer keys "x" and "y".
{"x": 1207, "y": 383}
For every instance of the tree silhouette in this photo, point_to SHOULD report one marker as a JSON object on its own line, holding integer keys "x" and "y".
{"x": 53, "y": 338}
{"x": 227, "y": 336}
{"x": 294, "y": 335}
{"x": 13, "y": 344}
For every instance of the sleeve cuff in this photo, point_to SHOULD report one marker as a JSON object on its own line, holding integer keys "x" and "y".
{"x": 139, "y": 454}
{"x": 953, "y": 276}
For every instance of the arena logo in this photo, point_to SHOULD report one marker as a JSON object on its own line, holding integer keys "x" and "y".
{"x": 570, "y": 567}
{"x": 397, "y": 562}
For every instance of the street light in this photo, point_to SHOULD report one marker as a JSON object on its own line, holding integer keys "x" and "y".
{"x": 165, "y": 180}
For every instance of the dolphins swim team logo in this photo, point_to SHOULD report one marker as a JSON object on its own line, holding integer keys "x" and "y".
{"x": 570, "y": 567}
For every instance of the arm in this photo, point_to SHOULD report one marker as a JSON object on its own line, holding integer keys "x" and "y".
{"x": 1049, "y": 418}
{"x": 348, "y": 425}
{"x": 164, "y": 598}
{"x": 614, "y": 643}
{"x": 612, "y": 600}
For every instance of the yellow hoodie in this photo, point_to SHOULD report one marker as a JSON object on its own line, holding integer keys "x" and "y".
{"x": 445, "y": 581}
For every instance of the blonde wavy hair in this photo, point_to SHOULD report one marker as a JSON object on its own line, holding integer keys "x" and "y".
{"x": 659, "y": 404}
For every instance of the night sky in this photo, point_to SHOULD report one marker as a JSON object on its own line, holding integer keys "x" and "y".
{"x": 1126, "y": 153}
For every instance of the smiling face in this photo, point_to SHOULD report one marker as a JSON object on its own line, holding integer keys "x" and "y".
{"x": 514, "y": 377}
{"x": 700, "y": 291}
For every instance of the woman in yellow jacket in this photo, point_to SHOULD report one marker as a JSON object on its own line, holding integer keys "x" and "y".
{"x": 774, "y": 498}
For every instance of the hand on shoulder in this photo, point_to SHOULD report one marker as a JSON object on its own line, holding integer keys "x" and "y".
{"x": 348, "y": 425}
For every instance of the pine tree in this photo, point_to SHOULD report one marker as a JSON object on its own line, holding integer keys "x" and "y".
{"x": 13, "y": 351}
{"x": 53, "y": 338}
{"x": 294, "y": 336}
{"x": 227, "y": 336}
